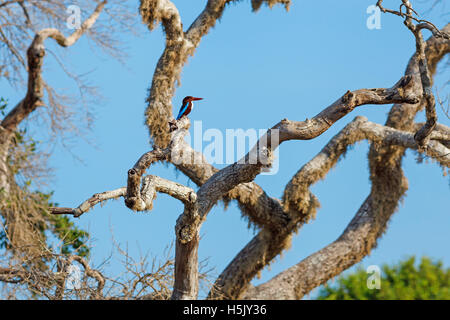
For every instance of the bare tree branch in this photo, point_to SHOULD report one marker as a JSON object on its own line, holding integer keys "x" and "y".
{"x": 42, "y": 281}
{"x": 90, "y": 203}
{"x": 302, "y": 204}
{"x": 136, "y": 200}
{"x": 388, "y": 187}
{"x": 35, "y": 55}
{"x": 354, "y": 244}
{"x": 150, "y": 185}
{"x": 246, "y": 170}
{"x": 226, "y": 179}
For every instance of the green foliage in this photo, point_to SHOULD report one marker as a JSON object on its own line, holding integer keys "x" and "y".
{"x": 3, "y": 105}
{"x": 25, "y": 199}
{"x": 74, "y": 239}
{"x": 403, "y": 281}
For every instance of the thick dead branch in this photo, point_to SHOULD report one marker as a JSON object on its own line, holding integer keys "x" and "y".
{"x": 173, "y": 189}
{"x": 296, "y": 200}
{"x": 138, "y": 198}
{"x": 269, "y": 244}
{"x": 135, "y": 199}
{"x": 255, "y": 203}
{"x": 388, "y": 187}
{"x": 150, "y": 185}
{"x": 186, "y": 269}
{"x": 259, "y": 157}
{"x": 140, "y": 192}
{"x": 225, "y": 180}
{"x": 354, "y": 244}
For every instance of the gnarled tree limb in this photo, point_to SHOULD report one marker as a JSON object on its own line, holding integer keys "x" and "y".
{"x": 302, "y": 204}
{"x": 226, "y": 179}
{"x": 150, "y": 185}
{"x": 388, "y": 187}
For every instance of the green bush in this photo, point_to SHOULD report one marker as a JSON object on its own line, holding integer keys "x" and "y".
{"x": 403, "y": 281}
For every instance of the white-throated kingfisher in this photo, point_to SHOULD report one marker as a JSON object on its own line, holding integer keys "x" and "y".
{"x": 187, "y": 106}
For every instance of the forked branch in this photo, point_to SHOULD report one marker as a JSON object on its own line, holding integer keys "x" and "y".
{"x": 35, "y": 56}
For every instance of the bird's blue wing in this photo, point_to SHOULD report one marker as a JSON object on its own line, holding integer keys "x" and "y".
{"x": 182, "y": 110}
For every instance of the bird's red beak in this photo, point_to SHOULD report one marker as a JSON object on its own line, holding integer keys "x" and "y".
{"x": 195, "y": 99}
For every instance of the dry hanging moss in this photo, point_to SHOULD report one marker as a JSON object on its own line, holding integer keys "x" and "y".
{"x": 256, "y": 4}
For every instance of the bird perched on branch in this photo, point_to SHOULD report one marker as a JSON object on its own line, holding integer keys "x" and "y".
{"x": 187, "y": 106}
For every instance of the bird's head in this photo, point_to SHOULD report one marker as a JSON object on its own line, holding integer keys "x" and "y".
{"x": 190, "y": 98}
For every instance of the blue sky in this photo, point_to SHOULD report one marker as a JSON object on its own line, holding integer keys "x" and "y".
{"x": 253, "y": 69}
